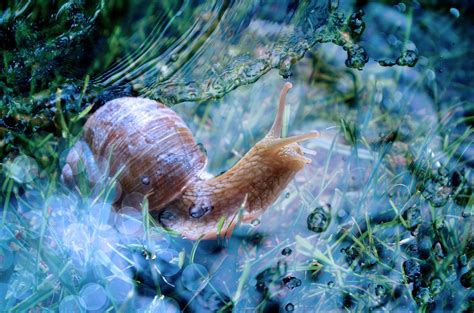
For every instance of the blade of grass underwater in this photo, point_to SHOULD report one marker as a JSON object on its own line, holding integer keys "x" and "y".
{"x": 8, "y": 185}
{"x": 86, "y": 111}
{"x": 194, "y": 249}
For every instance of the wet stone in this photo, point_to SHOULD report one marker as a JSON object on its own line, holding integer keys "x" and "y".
{"x": 318, "y": 220}
{"x": 412, "y": 216}
{"x": 412, "y": 270}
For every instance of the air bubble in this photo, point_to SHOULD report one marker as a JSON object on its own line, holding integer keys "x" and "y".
{"x": 145, "y": 180}
{"x": 134, "y": 200}
{"x": 76, "y": 238}
{"x": 167, "y": 262}
{"x": 194, "y": 277}
{"x": 157, "y": 240}
{"x": 289, "y": 307}
{"x": 454, "y": 12}
{"x": 379, "y": 291}
{"x": 286, "y": 251}
{"x": 128, "y": 221}
{"x": 174, "y": 57}
{"x": 120, "y": 289}
{"x": 106, "y": 238}
{"x": 94, "y": 297}
{"x": 24, "y": 285}
{"x": 99, "y": 214}
{"x": 71, "y": 304}
{"x": 255, "y": 222}
{"x": 31, "y": 200}
{"x": 401, "y": 7}
{"x": 22, "y": 169}
{"x": 318, "y": 220}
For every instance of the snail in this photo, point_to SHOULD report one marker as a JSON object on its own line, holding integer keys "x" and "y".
{"x": 153, "y": 153}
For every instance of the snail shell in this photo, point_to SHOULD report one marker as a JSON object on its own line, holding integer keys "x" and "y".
{"x": 149, "y": 143}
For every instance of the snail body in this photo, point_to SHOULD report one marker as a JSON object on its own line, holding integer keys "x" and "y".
{"x": 154, "y": 153}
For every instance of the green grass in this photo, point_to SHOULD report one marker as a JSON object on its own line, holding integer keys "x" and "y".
{"x": 397, "y": 174}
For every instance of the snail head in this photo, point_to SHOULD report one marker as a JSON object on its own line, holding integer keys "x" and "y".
{"x": 284, "y": 151}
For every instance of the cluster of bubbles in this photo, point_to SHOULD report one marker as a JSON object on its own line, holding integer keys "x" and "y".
{"x": 95, "y": 255}
{"x": 79, "y": 253}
